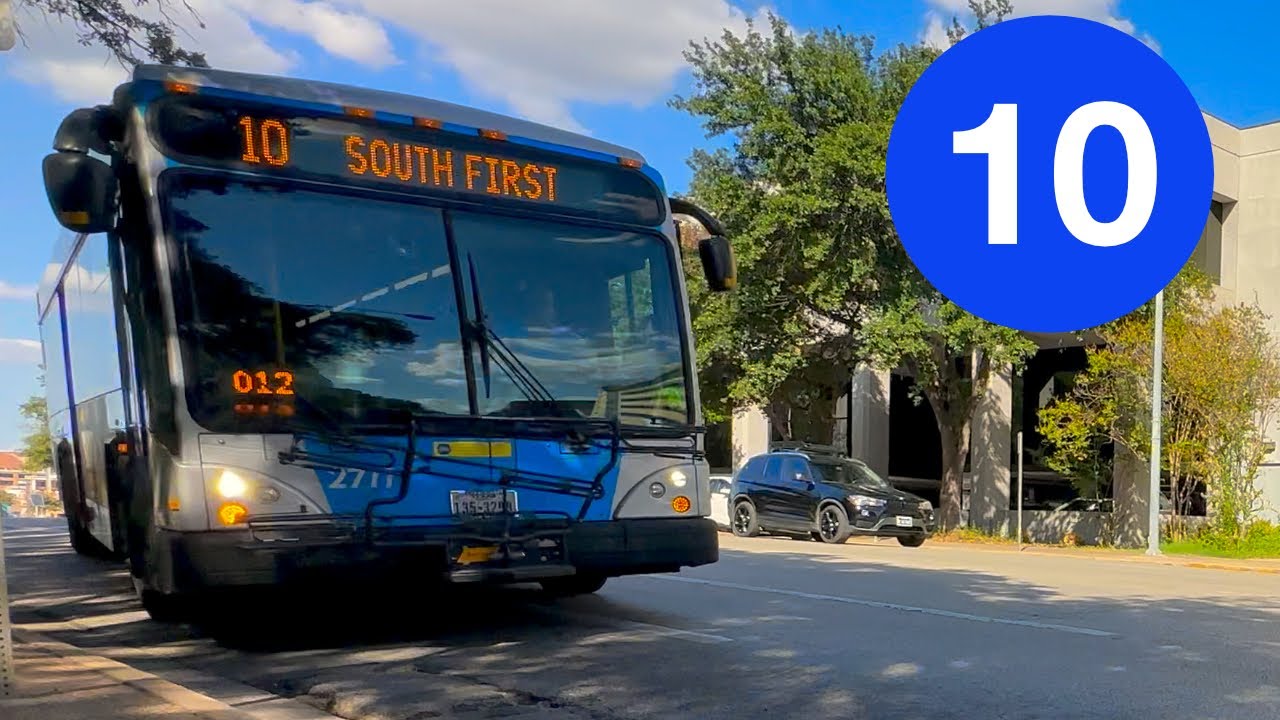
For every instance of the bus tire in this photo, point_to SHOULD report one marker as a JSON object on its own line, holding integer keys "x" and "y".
{"x": 166, "y": 608}
{"x": 81, "y": 541}
{"x": 573, "y": 585}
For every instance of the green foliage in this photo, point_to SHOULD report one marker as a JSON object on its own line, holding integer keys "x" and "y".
{"x": 1260, "y": 540}
{"x": 824, "y": 283}
{"x": 37, "y": 448}
{"x": 801, "y": 193}
{"x": 117, "y": 26}
{"x": 1220, "y": 389}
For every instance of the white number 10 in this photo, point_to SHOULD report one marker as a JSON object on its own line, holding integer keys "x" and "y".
{"x": 997, "y": 138}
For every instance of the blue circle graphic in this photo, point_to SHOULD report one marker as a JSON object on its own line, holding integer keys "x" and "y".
{"x": 1050, "y": 67}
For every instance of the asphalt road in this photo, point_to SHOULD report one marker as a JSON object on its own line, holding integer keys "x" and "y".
{"x": 777, "y": 627}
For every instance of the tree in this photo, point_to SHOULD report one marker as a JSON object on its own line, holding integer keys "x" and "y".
{"x": 825, "y": 283}
{"x": 121, "y": 28}
{"x": 1221, "y": 390}
{"x": 801, "y": 193}
{"x": 37, "y": 448}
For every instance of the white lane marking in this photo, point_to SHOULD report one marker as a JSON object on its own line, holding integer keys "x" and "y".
{"x": 637, "y": 628}
{"x": 375, "y": 294}
{"x": 664, "y": 631}
{"x": 891, "y": 606}
{"x": 442, "y": 270}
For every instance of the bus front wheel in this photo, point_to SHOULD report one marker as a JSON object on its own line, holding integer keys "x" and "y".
{"x": 573, "y": 585}
{"x": 166, "y": 608}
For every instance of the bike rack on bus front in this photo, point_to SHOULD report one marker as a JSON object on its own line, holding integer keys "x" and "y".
{"x": 334, "y": 529}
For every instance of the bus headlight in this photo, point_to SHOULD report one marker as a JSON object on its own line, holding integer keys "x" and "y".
{"x": 230, "y": 485}
{"x": 678, "y": 478}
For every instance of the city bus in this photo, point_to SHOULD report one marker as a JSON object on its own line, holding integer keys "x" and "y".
{"x": 295, "y": 327}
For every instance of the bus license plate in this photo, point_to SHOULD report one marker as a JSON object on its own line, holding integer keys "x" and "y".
{"x": 904, "y": 521}
{"x": 464, "y": 502}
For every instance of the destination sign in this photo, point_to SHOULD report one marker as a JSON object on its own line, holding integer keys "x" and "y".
{"x": 362, "y": 152}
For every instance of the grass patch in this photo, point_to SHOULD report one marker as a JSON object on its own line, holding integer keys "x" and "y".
{"x": 1261, "y": 542}
{"x": 976, "y": 536}
{"x": 973, "y": 535}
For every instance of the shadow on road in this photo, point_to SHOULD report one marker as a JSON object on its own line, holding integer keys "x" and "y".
{"x": 649, "y": 648}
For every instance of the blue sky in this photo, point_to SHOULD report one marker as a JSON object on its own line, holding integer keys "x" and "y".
{"x": 606, "y": 67}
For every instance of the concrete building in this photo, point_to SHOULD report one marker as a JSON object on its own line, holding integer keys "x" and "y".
{"x": 1240, "y": 249}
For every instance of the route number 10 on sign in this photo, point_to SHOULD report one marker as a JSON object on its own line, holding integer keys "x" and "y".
{"x": 1049, "y": 174}
{"x": 997, "y": 138}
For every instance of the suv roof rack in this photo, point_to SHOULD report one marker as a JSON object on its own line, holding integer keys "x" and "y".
{"x": 806, "y": 447}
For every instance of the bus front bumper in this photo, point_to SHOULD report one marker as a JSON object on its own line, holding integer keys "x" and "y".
{"x": 231, "y": 559}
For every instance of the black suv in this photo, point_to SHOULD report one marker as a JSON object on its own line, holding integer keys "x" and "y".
{"x": 810, "y": 491}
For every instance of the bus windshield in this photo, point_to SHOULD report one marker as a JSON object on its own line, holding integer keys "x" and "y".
{"x": 350, "y": 305}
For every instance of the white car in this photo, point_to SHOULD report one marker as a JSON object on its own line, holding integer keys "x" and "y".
{"x": 720, "y": 486}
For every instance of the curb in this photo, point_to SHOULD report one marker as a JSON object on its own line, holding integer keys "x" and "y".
{"x": 1102, "y": 555}
{"x": 129, "y": 676}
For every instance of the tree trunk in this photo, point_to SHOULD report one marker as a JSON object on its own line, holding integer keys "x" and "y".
{"x": 779, "y": 419}
{"x": 955, "y": 450}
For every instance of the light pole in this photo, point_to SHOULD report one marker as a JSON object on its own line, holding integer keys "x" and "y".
{"x": 1157, "y": 373}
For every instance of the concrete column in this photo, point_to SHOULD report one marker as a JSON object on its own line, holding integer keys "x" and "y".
{"x": 991, "y": 447}
{"x": 750, "y": 434}
{"x": 1130, "y": 488}
{"x": 868, "y": 425}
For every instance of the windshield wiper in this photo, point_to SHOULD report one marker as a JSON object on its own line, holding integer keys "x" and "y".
{"x": 508, "y": 361}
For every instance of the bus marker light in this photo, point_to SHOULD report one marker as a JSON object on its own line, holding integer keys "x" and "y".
{"x": 681, "y": 504}
{"x": 232, "y": 513}
{"x": 493, "y": 134}
{"x": 431, "y": 123}
{"x": 358, "y": 112}
{"x": 473, "y": 554}
{"x": 629, "y": 162}
{"x": 231, "y": 485}
{"x": 181, "y": 88}
{"x": 175, "y": 504}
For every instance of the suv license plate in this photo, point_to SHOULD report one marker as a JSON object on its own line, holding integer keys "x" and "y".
{"x": 904, "y": 521}
{"x": 463, "y": 502}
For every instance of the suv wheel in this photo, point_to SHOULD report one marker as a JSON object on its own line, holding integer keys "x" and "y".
{"x": 911, "y": 541}
{"x": 833, "y": 524}
{"x": 745, "y": 523}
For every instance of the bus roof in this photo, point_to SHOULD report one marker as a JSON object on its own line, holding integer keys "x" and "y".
{"x": 315, "y": 91}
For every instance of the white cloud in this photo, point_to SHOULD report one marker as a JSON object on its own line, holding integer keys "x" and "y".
{"x": 541, "y": 57}
{"x": 1103, "y": 11}
{"x": 19, "y": 351}
{"x": 348, "y": 35}
{"x": 53, "y": 58}
{"x": 536, "y": 59}
{"x": 9, "y": 291}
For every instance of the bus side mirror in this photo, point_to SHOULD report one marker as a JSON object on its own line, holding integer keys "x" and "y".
{"x": 718, "y": 263}
{"x": 714, "y": 250}
{"x": 81, "y": 190}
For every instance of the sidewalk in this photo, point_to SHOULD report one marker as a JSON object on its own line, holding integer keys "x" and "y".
{"x": 1271, "y": 567}
{"x": 56, "y": 681}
